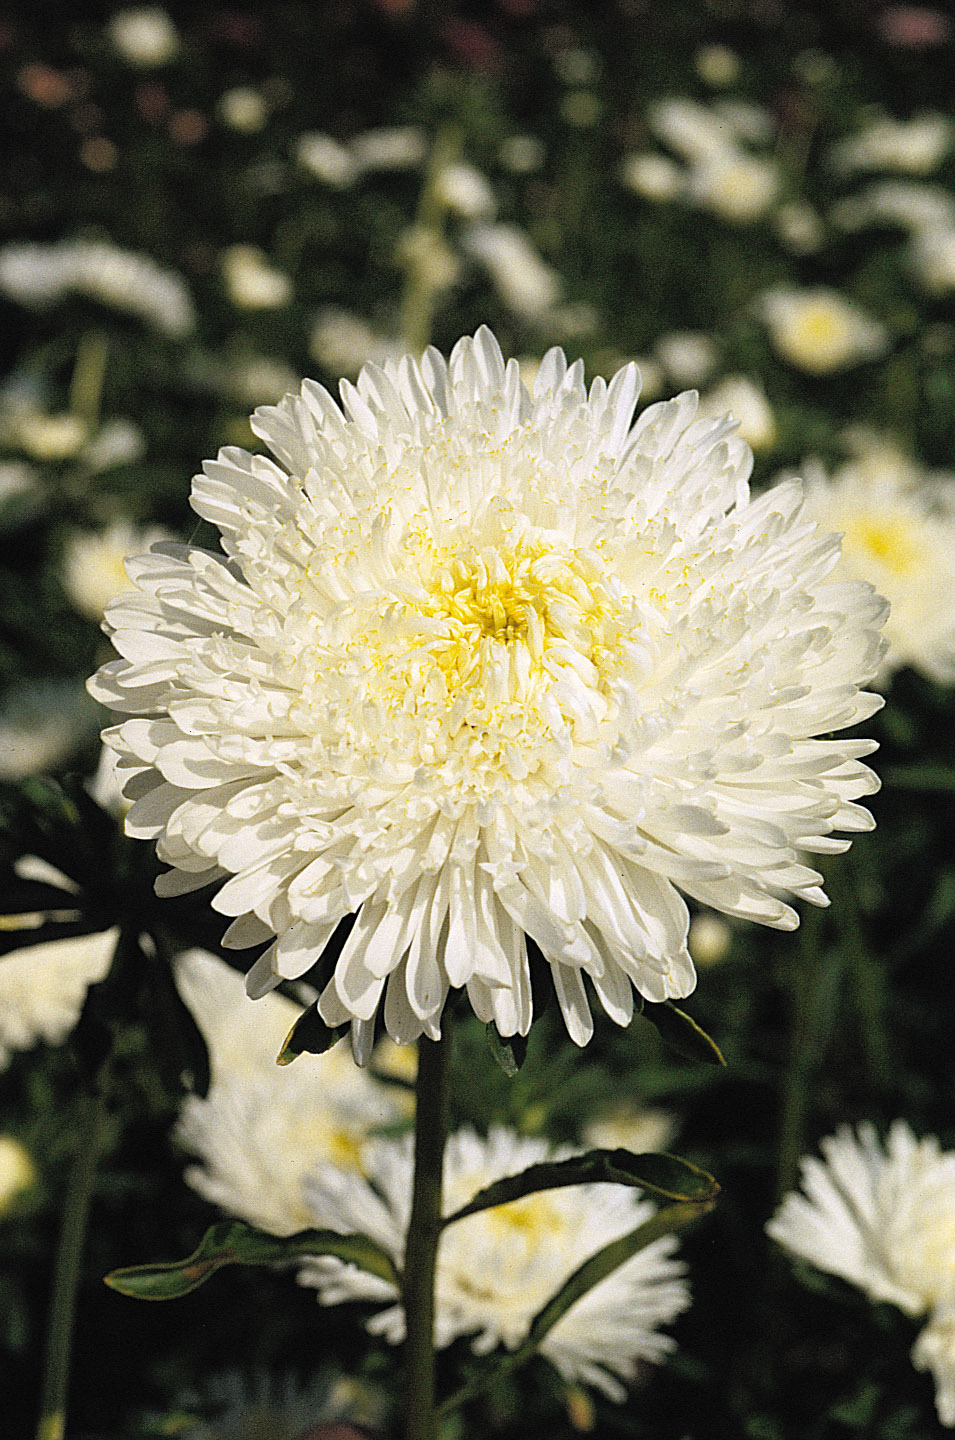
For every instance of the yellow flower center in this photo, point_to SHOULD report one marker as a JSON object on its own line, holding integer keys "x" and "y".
{"x": 889, "y": 540}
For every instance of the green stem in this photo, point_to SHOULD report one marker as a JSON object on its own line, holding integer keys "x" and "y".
{"x": 67, "y": 1269}
{"x": 814, "y": 989}
{"x": 421, "y": 291}
{"x": 89, "y": 371}
{"x": 863, "y": 970}
{"x": 424, "y": 1232}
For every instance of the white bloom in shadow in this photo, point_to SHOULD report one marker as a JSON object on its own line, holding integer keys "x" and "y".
{"x": 43, "y": 987}
{"x": 480, "y": 664}
{"x": 496, "y": 1269}
{"x": 263, "y": 1126}
{"x": 883, "y": 1218}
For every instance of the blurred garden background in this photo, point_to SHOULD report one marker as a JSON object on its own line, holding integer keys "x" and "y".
{"x": 200, "y": 205}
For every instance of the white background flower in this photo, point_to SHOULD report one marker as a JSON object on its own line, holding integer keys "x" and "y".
{"x": 482, "y": 664}
{"x": 43, "y": 987}
{"x": 898, "y": 527}
{"x": 496, "y": 1269}
{"x": 883, "y": 1218}
{"x": 263, "y": 1126}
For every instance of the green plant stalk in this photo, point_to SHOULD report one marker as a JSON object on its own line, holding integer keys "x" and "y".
{"x": 863, "y": 972}
{"x": 89, "y": 372}
{"x": 67, "y": 1269}
{"x": 420, "y": 292}
{"x": 424, "y": 1232}
{"x": 814, "y": 982}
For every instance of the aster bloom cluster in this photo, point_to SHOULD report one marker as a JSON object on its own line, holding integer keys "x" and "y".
{"x": 898, "y": 531}
{"x": 497, "y": 1268}
{"x": 882, "y": 1218}
{"x": 480, "y": 664}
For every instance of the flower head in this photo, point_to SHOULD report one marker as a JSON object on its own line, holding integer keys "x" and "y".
{"x": 497, "y": 1268}
{"x": 898, "y": 529}
{"x": 481, "y": 664}
{"x": 883, "y": 1219}
{"x": 819, "y": 331}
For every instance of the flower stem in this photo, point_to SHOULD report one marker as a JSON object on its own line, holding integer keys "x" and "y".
{"x": 423, "y": 242}
{"x": 67, "y": 1268}
{"x": 815, "y": 986}
{"x": 424, "y": 1231}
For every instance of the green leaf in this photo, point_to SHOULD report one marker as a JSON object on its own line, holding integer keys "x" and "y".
{"x": 232, "y": 1243}
{"x": 681, "y": 1032}
{"x": 510, "y": 1052}
{"x": 665, "y": 1176}
{"x": 606, "y": 1261}
{"x": 593, "y": 1270}
{"x": 309, "y": 1035}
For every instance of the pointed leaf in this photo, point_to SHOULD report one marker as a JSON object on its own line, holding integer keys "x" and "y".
{"x": 232, "y": 1243}
{"x": 597, "y": 1267}
{"x": 309, "y": 1035}
{"x": 680, "y": 1031}
{"x": 665, "y": 1176}
{"x": 593, "y": 1270}
{"x": 510, "y": 1052}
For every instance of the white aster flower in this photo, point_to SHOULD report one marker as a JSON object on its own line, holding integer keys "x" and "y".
{"x": 913, "y": 147}
{"x": 898, "y": 527}
{"x": 94, "y": 570}
{"x": 746, "y": 401}
{"x": 466, "y": 191}
{"x": 482, "y": 663}
{"x": 717, "y": 65}
{"x": 688, "y": 357}
{"x": 326, "y": 158}
{"x": 883, "y": 1219}
{"x": 263, "y": 1126}
{"x": 252, "y": 283}
{"x": 524, "y": 280}
{"x": 931, "y": 254}
{"x": 798, "y": 227}
{"x": 37, "y": 273}
{"x": 934, "y": 1350}
{"x": 655, "y": 177}
{"x": 638, "y": 1129}
{"x": 243, "y": 109}
{"x": 342, "y": 342}
{"x": 497, "y": 1268}
{"x": 898, "y": 202}
{"x": 145, "y": 36}
{"x": 18, "y": 482}
{"x": 733, "y": 185}
{"x": 395, "y": 147}
{"x": 819, "y": 330}
{"x": 691, "y": 129}
{"x": 43, "y": 987}
{"x": 522, "y": 154}
{"x": 709, "y": 941}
